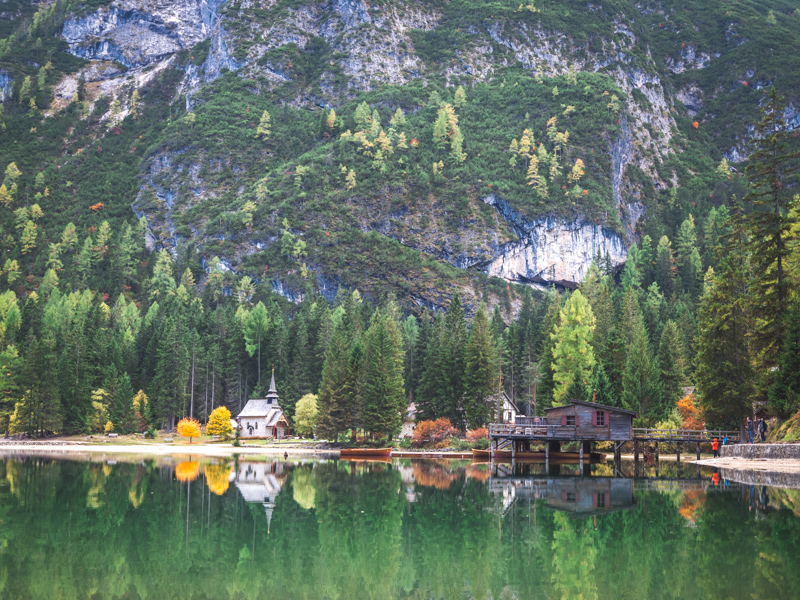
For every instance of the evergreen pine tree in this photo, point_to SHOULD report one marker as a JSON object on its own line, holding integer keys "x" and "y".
{"x": 480, "y": 364}
{"x": 384, "y": 392}
{"x": 670, "y": 358}
{"x": 770, "y": 169}
{"x": 784, "y": 395}
{"x": 573, "y": 357}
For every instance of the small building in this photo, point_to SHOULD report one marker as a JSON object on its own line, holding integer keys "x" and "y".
{"x": 508, "y": 409}
{"x": 593, "y": 421}
{"x": 264, "y": 418}
{"x": 409, "y": 422}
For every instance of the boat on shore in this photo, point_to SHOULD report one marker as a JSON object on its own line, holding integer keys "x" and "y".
{"x": 365, "y": 452}
{"x": 505, "y": 455}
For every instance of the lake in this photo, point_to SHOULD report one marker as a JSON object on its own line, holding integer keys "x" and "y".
{"x": 203, "y": 528}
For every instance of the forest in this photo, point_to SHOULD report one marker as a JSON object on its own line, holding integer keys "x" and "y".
{"x": 716, "y": 308}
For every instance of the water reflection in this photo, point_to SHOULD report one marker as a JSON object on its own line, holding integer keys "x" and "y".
{"x": 199, "y": 527}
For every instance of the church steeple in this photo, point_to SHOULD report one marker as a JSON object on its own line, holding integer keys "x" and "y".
{"x": 272, "y": 394}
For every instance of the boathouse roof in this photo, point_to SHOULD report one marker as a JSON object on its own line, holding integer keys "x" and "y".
{"x": 596, "y": 406}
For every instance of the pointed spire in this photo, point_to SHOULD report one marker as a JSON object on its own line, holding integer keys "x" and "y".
{"x": 273, "y": 391}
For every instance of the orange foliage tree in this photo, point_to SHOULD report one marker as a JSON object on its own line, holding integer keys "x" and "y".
{"x": 477, "y": 434}
{"x": 434, "y": 431}
{"x": 189, "y": 428}
{"x": 690, "y": 414}
{"x": 187, "y": 470}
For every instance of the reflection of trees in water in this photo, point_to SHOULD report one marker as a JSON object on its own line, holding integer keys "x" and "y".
{"x": 451, "y": 542}
{"x": 691, "y": 504}
{"x": 432, "y": 473}
{"x": 188, "y": 470}
{"x": 218, "y": 477}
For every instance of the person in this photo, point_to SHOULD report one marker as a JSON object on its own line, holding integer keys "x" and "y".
{"x": 715, "y": 447}
{"x": 750, "y": 429}
{"x": 725, "y": 440}
{"x": 762, "y": 429}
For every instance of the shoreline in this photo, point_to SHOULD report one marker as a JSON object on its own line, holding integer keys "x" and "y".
{"x": 157, "y": 449}
{"x": 772, "y": 465}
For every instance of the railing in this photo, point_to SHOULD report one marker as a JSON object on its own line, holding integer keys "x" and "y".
{"x": 529, "y": 431}
{"x": 530, "y": 421}
{"x": 685, "y": 435}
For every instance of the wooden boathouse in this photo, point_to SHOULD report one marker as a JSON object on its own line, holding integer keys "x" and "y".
{"x": 588, "y": 422}
{"x": 579, "y": 421}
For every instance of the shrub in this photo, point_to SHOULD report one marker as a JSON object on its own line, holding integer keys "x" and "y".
{"x": 150, "y": 433}
{"x": 434, "y": 431}
{"x": 109, "y": 427}
{"x": 690, "y": 415}
{"x": 477, "y": 434}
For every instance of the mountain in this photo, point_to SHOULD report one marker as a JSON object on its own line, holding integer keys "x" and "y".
{"x": 406, "y": 147}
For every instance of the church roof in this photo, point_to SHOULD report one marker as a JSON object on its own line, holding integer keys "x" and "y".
{"x": 266, "y": 407}
{"x": 262, "y": 408}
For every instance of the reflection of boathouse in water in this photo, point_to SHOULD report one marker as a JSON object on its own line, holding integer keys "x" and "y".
{"x": 589, "y": 496}
{"x": 260, "y": 482}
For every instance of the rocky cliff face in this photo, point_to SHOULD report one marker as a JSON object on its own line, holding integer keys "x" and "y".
{"x": 550, "y": 249}
{"x": 366, "y": 46}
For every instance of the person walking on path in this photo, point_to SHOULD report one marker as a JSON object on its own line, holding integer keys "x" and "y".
{"x": 762, "y": 429}
{"x": 715, "y": 447}
{"x": 725, "y": 440}
{"x": 750, "y": 429}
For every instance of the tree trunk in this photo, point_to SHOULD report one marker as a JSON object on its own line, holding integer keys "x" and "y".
{"x": 191, "y": 392}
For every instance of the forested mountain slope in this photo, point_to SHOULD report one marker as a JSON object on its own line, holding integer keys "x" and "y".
{"x": 647, "y": 97}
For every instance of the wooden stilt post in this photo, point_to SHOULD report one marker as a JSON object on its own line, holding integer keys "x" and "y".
{"x": 546, "y": 458}
{"x": 698, "y": 450}
{"x": 636, "y": 455}
{"x": 580, "y": 456}
{"x": 678, "y": 453}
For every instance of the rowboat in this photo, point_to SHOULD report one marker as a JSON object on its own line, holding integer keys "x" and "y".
{"x": 365, "y": 452}
{"x": 505, "y": 455}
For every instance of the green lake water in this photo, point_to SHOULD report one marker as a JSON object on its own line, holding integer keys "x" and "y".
{"x": 195, "y": 527}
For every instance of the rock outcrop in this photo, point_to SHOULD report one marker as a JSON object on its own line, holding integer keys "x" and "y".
{"x": 6, "y": 85}
{"x": 551, "y": 249}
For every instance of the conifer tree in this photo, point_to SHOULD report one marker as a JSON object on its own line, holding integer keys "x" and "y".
{"x": 481, "y": 370}
{"x": 573, "y": 356}
{"x": 671, "y": 361}
{"x": 384, "y": 392}
{"x": 784, "y": 395}
{"x": 665, "y": 266}
{"x": 770, "y": 169}
{"x": 602, "y": 390}
{"x": 642, "y": 390}
{"x": 545, "y": 351}
{"x": 460, "y": 98}
{"x": 264, "y": 129}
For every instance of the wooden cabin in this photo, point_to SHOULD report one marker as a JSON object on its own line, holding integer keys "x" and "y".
{"x": 593, "y": 421}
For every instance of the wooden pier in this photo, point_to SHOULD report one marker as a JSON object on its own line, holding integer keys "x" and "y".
{"x": 588, "y": 422}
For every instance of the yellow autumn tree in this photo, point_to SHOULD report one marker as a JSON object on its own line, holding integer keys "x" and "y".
{"x": 219, "y": 422}
{"x": 189, "y": 428}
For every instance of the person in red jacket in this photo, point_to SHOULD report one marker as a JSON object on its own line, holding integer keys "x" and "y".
{"x": 715, "y": 447}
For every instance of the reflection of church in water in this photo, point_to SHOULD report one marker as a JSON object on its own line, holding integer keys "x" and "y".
{"x": 260, "y": 482}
